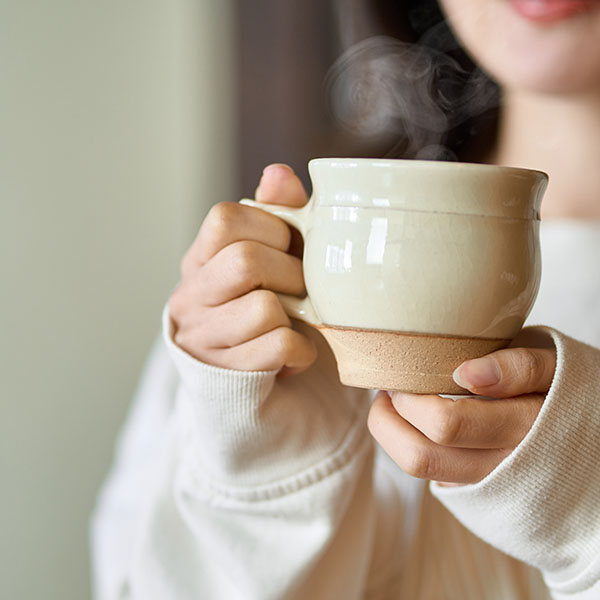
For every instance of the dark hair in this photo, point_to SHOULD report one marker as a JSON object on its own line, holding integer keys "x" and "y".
{"x": 404, "y": 80}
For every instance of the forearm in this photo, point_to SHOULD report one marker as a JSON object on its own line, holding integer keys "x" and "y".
{"x": 263, "y": 489}
{"x": 116, "y": 519}
{"x": 541, "y": 504}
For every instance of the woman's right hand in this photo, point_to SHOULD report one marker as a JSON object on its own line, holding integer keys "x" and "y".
{"x": 225, "y": 309}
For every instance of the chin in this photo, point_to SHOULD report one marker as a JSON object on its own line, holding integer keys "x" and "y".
{"x": 558, "y": 73}
{"x": 558, "y": 57}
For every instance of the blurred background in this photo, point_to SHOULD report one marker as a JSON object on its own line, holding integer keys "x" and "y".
{"x": 121, "y": 123}
{"x": 117, "y": 131}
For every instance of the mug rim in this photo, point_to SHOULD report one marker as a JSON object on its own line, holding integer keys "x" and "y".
{"x": 428, "y": 186}
{"x": 348, "y": 162}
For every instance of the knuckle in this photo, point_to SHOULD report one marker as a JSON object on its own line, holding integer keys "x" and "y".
{"x": 420, "y": 463}
{"x": 245, "y": 263}
{"x": 266, "y": 305}
{"x": 221, "y": 217}
{"x": 182, "y": 339}
{"x": 447, "y": 426}
{"x": 284, "y": 341}
{"x": 176, "y": 303}
{"x": 190, "y": 342}
{"x": 528, "y": 366}
{"x": 213, "y": 235}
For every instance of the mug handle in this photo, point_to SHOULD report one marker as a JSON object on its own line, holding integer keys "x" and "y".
{"x": 297, "y": 308}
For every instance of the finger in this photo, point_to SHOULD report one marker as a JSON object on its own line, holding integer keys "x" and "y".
{"x": 245, "y": 266}
{"x": 508, "y": 372}
{"x": 229, "y": 222}
{"x": 280, "y": 185}
{"x": 281, "y": 347}
{"x": 418, "y": 456}
{"x": 470, "y": 422}
{"x": 237, "y": 321}
{"x": 286, "y": 372}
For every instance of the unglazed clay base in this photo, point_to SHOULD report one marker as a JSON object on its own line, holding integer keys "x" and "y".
{"x": 415, "y": 363}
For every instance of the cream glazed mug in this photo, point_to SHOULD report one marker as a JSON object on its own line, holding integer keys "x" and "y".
{"x": 412, "y": 267}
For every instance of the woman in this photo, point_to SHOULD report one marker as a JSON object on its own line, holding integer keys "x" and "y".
{"x": 244, "y": 474}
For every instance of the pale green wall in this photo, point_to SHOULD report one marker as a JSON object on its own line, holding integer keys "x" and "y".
{"x": 116, "y": 133}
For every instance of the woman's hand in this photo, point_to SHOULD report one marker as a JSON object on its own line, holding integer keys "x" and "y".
{"x": 461, "y": 441}
{"x": 225, "y": 310}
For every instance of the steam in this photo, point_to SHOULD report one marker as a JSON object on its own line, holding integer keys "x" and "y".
{"x": 382, "y": 88}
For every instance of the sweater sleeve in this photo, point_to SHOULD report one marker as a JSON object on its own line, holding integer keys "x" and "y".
{"x": 115, "y": 519}
{"x": 263, "y": 489}
{"x": 542, "y": 503}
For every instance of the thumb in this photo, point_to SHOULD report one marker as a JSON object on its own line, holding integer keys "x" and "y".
{"x": 280, "y": 185}
{"x": 508, "y": 372}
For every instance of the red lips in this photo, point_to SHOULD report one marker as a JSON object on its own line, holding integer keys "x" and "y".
{"x": 552, "y": 10}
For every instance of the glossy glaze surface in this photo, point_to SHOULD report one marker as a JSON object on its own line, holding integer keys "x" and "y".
{"x": 429, "y": 186}
{"x": 421, "y": 272}
{"x": 420, "y": 247}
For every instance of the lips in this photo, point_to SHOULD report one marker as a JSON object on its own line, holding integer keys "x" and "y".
{"x": 552, "y": 10}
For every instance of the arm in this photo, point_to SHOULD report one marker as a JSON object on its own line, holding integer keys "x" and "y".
{"x": 527, "y": 452}
{"x": 116, "y": 518}
{"x": 261, "y": 488}
{"x": 260, "y": 485}
{"x": 545, "y": 497}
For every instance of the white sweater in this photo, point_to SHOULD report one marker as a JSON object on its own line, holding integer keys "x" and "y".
{"x": 230, "y": 484}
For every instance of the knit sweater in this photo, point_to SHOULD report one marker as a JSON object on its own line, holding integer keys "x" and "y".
{"x": 230, "y": 484}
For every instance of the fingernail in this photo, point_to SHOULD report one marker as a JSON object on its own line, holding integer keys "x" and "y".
{"x": 479, "y": 372}
{"x": 275, "y": 170}
{"x": 277, "y": 167}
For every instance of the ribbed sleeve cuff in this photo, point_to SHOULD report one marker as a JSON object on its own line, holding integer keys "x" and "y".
{"x": 591, "y": 593}
{"x": 214, "y": 382}
{"x": 246, "y": 429}
{"x": 542, "y": 503}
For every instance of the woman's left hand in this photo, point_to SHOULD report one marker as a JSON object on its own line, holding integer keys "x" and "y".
{"x": 461, "y": 441}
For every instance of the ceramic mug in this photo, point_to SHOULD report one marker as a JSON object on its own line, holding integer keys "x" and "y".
{"x": 412, "y": 267}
